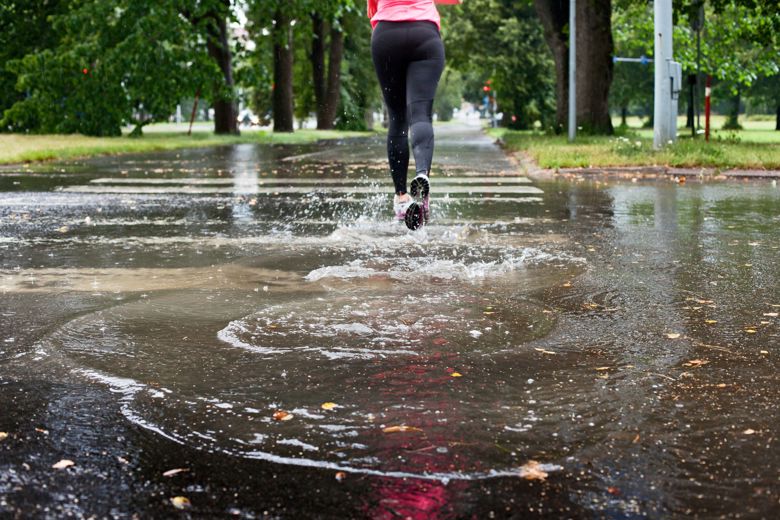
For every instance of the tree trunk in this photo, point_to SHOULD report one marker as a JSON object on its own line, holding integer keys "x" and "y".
{"x": 332, "y": 94}
{"x": 732, "y": 122}
{"x": 594, "y": 65}
{"x": 624, "y": 117}
{"x": 594, "y": 60}
{"x": 318, "y": 64}
{"x": 225, "y": 109}
{"x": 283, "y": 73}
{"x": 777, "y": 120}
{"x": 554, "y": 15}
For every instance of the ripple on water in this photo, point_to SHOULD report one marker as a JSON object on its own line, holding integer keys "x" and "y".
{"x": 415, "y": 390}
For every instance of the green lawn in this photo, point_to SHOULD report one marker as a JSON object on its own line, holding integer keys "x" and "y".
{"x": 16, "y": 148}
{"x": 755, "y": 147}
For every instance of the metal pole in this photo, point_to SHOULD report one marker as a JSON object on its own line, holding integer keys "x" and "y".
{"x": 572, "y": 70}
{"x": 699, "y": 26}
{"x": 662, "y": 105}
{"x": 707, "y": 94}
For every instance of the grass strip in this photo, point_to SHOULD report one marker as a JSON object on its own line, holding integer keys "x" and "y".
{"x": 741, "y": 150}
{"x": 18, "y": 148}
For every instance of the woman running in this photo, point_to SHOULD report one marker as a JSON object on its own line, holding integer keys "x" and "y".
{"x": 408, "y": 56}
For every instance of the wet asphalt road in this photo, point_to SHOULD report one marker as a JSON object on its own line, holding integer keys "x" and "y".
{"x": 158, "y": 310}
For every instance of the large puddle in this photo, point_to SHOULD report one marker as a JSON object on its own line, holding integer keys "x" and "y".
{"x": 623, "y": 335}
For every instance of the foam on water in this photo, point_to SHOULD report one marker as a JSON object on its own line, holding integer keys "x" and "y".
{"x": 444, "y": 269}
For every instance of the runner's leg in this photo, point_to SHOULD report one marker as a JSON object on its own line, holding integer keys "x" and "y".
{"x": 422, "y": 78}
{"x": 390, "y": 65}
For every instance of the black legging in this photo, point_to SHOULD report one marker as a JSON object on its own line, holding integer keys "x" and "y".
{"x": 409, "y": 59}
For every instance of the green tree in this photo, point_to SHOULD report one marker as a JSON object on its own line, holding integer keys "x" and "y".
{"x": 502, "y": 41}
{"x": 119, "y": 61}
{"x": 632, "y": 84}
{"x": 26, "y": 28}
{"x": 739, "y": 45}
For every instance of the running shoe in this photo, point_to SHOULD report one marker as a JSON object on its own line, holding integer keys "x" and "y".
{"x": 420, "y": 187}
{"x": 399, "y": 208}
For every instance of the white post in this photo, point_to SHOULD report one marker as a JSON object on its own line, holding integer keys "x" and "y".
{"x": 662, "y": 131}
{"x": 572, "y": 69}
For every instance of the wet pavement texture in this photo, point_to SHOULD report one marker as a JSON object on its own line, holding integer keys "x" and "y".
{"x": 254, "y": 316}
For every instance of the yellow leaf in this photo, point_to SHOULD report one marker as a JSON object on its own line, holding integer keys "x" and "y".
{"x": 64, "y": 463}
{"x": 695, "y": 363}
{"x": 673, "y": 335}
{"x": 328, "y": 406}
{"x": 281, "y": 415}
{"x": 456, "y": 374}
{"x": 765, "y": 352}
{"x": 710, "y": 322}
{"x": 401, "y": 428}
{"x": 601, "y": 369}
{"x": 181, "y": 502}
{"x": 532, "y": 470}
{"x": 750, "y": 331}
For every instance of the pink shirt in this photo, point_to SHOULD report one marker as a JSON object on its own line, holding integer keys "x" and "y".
{"x": 406, "y": 11}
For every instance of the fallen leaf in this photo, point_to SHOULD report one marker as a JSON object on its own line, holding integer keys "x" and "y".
{"x": 64, "y": 463}
{"x": 710, "y": 322}
{"x": 439, "y": 341}
{"x": 613, "y": 490}
{"x": 41, "y": 430}
{"x": 673, "y": 335}
{"x": 340, "y": 475}
{"x": 765, "y": 352}
{"x": 123, "y": 460}
{"x": 328, "y": 406}
{"x": 3, "y": 436}
{"x": 532, "y": 470}
{"x": 636, "y": 439}
{"x": 181, "y": 502}
{"x": 749, "y": 431}
{"x": 172, "y": 472}
{"x": 750, "y": 331}
{"x": 401, "y": 428}
{"x": 695, "y": 363}
{"x": 62, "y": 229}
{"x": 456, "y": 374}
{"x": 281, "y": 415}
{"x": 601, "y": 369}
{"x": 543, "y": 351}
{"x": 567, "y": 284}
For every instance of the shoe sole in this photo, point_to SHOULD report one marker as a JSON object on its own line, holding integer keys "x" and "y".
{"x": 415, "y": 216}
{"x": 420, "y": 187}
